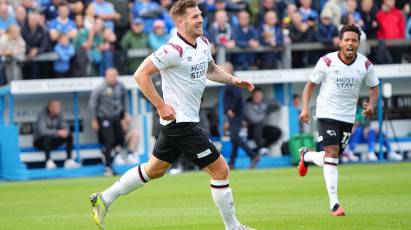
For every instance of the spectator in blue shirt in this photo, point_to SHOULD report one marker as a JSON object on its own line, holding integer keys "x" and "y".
{"x": 6, "y": 20}
{"x": 245, "y": 36}
{"x": 158, "y": 36}
{"x": 271, "y": 36}
{"x": 62, "y": 24}
{"x": 105, "y": 11}
{"x": 165, "y": 15}
{"x": 50, "y": 8}
{"x": 408, "y": 29}
{"x": 147, "y": 10}
{"x": 306, "y": 11}
{"x": 65, "y": 51}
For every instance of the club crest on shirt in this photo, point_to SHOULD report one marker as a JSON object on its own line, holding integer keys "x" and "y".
{"x": 331, "y": 132}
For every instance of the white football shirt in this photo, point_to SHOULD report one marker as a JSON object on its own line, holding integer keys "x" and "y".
{"x": 183, "y": 70}
{"x": 340, "y": 85}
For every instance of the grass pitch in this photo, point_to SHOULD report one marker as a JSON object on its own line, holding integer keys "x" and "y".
{"x": 375, "y": 196}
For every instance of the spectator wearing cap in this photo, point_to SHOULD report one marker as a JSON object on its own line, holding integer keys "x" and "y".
{"x": 327, "y": 31}
{"x": 147, "y": 10}
{"x": 62, "y": 24}
{"x": 271, "y": 36}
{"x": 245, "y": 36}
{"x": 158, "y": 36}
{"x": 135, "y": 38}
{"x": 6, "y": 19}
{"x": 105, "y": 11}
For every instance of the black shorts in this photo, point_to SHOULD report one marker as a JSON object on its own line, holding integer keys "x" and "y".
{"x": 187, "y": 138}
{"x": 333, "y": 132}
{"x": 111, "y": 132}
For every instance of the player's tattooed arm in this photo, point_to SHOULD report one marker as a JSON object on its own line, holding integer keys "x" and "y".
{"x": 215, "y": 73}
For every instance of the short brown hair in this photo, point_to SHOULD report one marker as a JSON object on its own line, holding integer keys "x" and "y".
{"x": 350, "y": 28}
{"x": 180, "y": 6}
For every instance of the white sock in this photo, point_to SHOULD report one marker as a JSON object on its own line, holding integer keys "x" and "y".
{"x": 223, "y": 199}
{"x": 315, "y": 157}
{"x": 331, "y": 179}
{"x": 130, "y": 181}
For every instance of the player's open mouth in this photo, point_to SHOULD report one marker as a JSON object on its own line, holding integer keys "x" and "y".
{"x": 350, "y": 50}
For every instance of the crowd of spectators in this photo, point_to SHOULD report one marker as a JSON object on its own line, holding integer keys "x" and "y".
{"x": 90, "y": 36}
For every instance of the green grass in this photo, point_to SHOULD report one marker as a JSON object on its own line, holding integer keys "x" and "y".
{"x": 375, "y": 196}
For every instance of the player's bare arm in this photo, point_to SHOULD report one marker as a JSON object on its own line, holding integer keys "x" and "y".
{"x": 369, "y": 107}
{"x": 215, "y": 73}
{"x": 305, "y": 111}
{"x": 143, "y": 78}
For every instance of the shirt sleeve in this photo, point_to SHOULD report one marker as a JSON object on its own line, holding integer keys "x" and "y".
{"x": 318, "y": 73}
{"x": 52, "y": 24}
{"x": 210, "y": 58}
{"x": 165, "y": 57}
{"x": 370, "y": 78}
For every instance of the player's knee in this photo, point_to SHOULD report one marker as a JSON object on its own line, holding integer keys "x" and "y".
{"x": 331, "y": 151}
{"x": 154, "y": 173}
{"x": 220, "y": 174}
{"x": 331, "y": 155}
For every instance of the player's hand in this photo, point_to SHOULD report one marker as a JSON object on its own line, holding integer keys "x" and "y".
{"x": 166, "y": 112}
{"x": 62, "y": 133}
{"x": 305, "y": 115}
{"x": 368, "y": 110}
{"x": 94, "y": 124}
{"x": 125, "y": 121}
{"x": 230, "y": 113}
{"x": 244, "y": 84}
